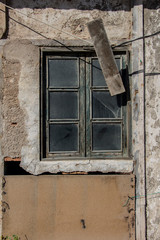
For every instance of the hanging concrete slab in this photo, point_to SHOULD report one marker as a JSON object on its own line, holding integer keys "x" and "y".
{"x": 106, "y": 57}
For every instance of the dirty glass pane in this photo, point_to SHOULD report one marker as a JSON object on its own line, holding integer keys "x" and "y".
{"x": 63, "y": 137}
{"x": 106, "y": 136}
{"x": 118, "y": 63}
{"x": 63, "y": 73}
{"x": 97, "y": 74}
{"x": 63, "y": 105}
{"x": 104, "y": 105}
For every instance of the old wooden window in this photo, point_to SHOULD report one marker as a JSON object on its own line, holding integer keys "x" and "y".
{"x": 80, "y": 119}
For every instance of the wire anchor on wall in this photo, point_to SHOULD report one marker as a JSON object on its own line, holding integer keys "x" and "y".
{"x": 139, "y": 197}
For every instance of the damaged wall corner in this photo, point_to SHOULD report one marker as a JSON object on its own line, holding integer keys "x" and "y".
{"x": 20, "y": 99}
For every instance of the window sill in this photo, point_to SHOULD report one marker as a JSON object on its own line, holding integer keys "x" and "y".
{"x": 87, "y": 165}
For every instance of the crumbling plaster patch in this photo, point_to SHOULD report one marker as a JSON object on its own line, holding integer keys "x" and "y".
{"x": 13, "y": 132}
{"x": 27, "y": 55}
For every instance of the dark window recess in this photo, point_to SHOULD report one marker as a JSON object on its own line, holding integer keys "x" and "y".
{"x": 13, "y": 168}
{"x": 79, "y": 116}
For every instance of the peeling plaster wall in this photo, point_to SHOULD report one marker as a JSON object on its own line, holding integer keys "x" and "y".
{"x": 21, "y": 119}
{"x": 152, "y": 51}
{"x": 14, "y": 132}
{"x": 19, "y": 74}
{"x": 21, "y": 100}
{"x": 19, "y": 105}
{"x": 69, "y": 16}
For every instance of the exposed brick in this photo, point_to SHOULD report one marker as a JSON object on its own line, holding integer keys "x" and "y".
{"x": 8, "y": 159}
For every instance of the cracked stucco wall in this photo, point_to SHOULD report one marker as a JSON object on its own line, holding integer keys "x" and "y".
{"x": 152, "y": 56}
{"x": 20, "y": 132}
{"x": 25, "y": 56}
{"x": 21, "y": 87}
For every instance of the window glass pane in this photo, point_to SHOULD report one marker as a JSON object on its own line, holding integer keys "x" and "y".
{"x": 106, "y": 137}
{"x": 63, "y": 105}
{"x": 104, "y": 105}
{"x": 118, "y": 63}
{"x": 63, "y": 137}
{"x": 63, "y": 73}
{"x": 97, "y": 74}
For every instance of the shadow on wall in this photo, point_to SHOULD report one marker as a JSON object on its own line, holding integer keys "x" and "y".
{"x": 152, "y": 4}
{"x": 103, "y": 5}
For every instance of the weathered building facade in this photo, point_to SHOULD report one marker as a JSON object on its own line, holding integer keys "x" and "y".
{"x": 113, "y": 192}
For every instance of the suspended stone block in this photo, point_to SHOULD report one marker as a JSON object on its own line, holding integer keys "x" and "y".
{"x": 106, "y": 57}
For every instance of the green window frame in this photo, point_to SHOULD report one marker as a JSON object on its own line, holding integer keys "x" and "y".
{"x": 79, "y": 118}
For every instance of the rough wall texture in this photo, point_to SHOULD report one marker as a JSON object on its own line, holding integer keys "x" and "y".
{"x": 69, "y": 16}
{"x": 152, "y": 45}
{"x": 21, "y": 117}
{"x": 14, "y": 131}
{"x": 138, "y": 118}
{"x": 20, "y": 110}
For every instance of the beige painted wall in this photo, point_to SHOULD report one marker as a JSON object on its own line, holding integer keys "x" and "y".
{"x": 53, "y": 207}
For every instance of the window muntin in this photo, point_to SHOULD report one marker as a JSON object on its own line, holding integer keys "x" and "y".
{"x": 80, "y": 118}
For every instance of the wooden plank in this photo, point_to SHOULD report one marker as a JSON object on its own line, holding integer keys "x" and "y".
{"x": 106, "y": 57}
{"x": 2, "y": 19}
